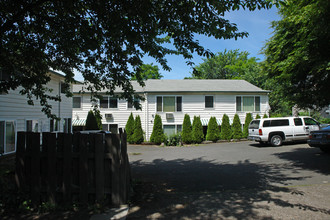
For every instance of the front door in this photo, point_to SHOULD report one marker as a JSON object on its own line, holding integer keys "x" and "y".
{"x": 311, "y": 125}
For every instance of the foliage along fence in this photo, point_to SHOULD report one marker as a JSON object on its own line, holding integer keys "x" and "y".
{"x": 73, "y": 168}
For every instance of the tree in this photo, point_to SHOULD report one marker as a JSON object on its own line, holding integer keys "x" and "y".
{"x": 98, "y": 116}
{"x": 197, "y": 130}
{"x": 138, "y": 132}
{"x": 213, "y": 132}
{"x": 237, "y": 128}
{"x": 157, "y": 135}
{"x": 186, "y": 134}
{"x": 225, "y": 133}
{"x": 130, "y": 128}
{"x": 91, "y": 123}
{"x": 104, "y": 40}
{"x": 231, "y": 64}
{"x": 248, "y": 119}
{"x": 298, "y": 54}
{"x": 148, "y": 71}
{"x": 265, "y": 116}
{"x": 258, "y": 116}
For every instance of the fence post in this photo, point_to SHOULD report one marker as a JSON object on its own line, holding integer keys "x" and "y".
{"x": 115, "y": 171}
{"x": 20, "y": 152}
{"x": 33, "y": 144}
{"x": 99, "y": 167}
{"x": 83, "y": 167}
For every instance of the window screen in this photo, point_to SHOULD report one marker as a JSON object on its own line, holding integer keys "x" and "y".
{"x": 208, "y": 101}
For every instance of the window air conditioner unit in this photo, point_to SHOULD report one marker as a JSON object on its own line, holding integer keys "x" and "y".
{"x": 109, "y": 116}
{"x": 169, "y": 116}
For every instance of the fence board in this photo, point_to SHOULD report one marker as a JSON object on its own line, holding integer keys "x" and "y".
{"x": 80, "y": 167}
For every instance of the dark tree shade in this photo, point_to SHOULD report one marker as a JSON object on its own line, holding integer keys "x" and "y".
{"x": 104, "y": 40}
{"x": 157, "y": 135}
{"x": 91, "y": 123}
{"x": 186, "y": 134}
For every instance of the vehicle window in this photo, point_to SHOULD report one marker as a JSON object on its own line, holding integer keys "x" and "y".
{"x": 266, "y": 123}
{"x": 254, "y": 124}
{"x": 276, "y": 123}
{"x": 310, "y": 121}
{"x": 297, "y": 122}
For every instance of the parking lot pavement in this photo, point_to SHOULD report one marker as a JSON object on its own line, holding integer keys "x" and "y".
{"x": 230, "y": 181}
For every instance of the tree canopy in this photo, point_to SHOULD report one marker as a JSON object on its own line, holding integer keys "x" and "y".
{"x": 298, "y": 54}
{"x": 148, "y": 71}
{"x": 232, "y": 64}
{"x": 104, "y": 40}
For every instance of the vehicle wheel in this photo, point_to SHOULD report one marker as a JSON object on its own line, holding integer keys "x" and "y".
{"x": 276, "y": 140}
{"x": 325, "y": 149}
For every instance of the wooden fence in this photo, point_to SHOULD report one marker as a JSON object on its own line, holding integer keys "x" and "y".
{"x": 64, "y": 168}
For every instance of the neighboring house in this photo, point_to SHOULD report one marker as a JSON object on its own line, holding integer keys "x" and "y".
{"x": 172, "y": 99}
{"x": 16, "y": 115}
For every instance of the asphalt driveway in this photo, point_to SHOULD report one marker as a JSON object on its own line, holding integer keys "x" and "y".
{"x": 230, "y": 181}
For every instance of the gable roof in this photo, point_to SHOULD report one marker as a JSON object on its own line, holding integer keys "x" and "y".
{"x": 190, "y": 85}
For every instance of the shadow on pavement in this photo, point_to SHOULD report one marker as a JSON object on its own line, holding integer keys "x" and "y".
{"x": 201, "y": 189}
{"x": 307, "y": 159}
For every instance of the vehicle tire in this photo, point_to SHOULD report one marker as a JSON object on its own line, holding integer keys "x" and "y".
{"x": 325, "y": 149}
{"x": 276, "y": 140}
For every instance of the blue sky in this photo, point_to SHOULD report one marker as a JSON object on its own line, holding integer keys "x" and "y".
{"x": 256, "y": 23}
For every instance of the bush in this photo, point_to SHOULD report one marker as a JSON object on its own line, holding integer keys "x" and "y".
{"x": 157, "y": 135}
{"x": 248, "y": 119}
{"x": 138, "y": 132}
{"x": 129, "y": 128}
{"x": 98, "y": 117}
{"x": 258, "y": 116}
{"x": 237, "y": 128}
{"x": 197, "y": 130}
{"x": 212, "y": 130}
{"x": 225, "y": 133}
{"x": 265, "y": 116}
{"x": 174, "y": 140}
{"x": 91, "y": 123}
{"x": 186, "y": 130}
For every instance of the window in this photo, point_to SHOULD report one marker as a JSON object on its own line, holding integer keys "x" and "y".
{"x": 248, "y": 103}
{"x": 113, "y": 128}
{"x": 276, "y": 123}
{"x": 109, "y": 102}
{"x": 64, "y": 87}
{"x": 67, "y": 125}
{"x": 7, "y": 137}
{"x": 208, "y": 101}
{"x": 32, "y": 125}
{"x": 169, "y": 103}
{"x": 309, "y": 121}
{"x": 172, "y": 129}
{"x": 131, "y": 104}
{"x": 76, "y": 102}
{"x": 297, "y": 122}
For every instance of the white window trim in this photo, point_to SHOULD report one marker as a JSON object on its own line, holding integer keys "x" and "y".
{"x": 15, "y": 122}
{"x": 208, "y": 108}
{"x": 108, "y": 97}
{"x": 254, "y": 103}
{"x": 175, "y": 103}
{"x": 81, "y": 101}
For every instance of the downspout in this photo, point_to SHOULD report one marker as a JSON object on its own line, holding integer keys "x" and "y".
{"x": 146, "y": 116}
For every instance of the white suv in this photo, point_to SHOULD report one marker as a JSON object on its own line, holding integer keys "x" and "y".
{"x": 277, "y": 130}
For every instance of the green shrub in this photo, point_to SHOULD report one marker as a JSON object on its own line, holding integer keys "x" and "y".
{"x": 248, "y": 119}
{"x": 225, "y": 133}
{"x": 212, "y": 130}
{"x": 129, "y": 128}
{"x": 197, "y": 130}
{"x": 157, "y": 135}
{"x": 91, "y": 123}
{"x": 138, "y": 132}
{"x": 186, "y": 130}
{"x": 258, "y": 116}
{"x": 237, "y": 128}
{"x": 265, "y": 116}
{"x": 98, "y": 117}
{"x": 174, "y": 140}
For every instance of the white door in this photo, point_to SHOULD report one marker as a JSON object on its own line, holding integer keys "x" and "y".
{"x": 299, "y": 131}
{"x": 311, "y": 125}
